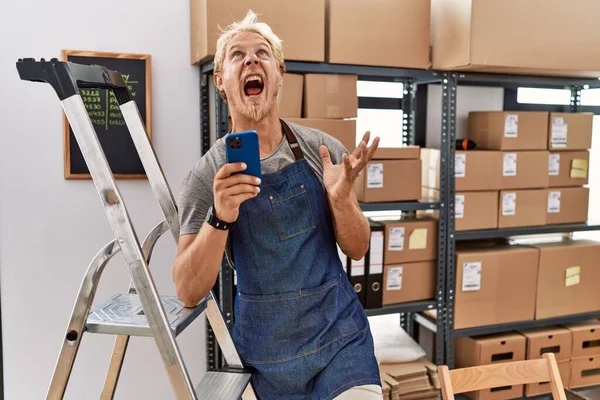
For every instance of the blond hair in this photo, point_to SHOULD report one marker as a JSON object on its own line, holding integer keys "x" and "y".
{"x": 250, "y": 23}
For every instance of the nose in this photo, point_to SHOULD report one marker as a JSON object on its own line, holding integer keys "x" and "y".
{"x": 251, "y": 59}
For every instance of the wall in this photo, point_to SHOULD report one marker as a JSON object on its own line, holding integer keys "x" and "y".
{"x": 50, "y": 228}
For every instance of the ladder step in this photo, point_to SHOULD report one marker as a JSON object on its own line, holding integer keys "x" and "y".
{"x": 223, "y": 385}
{"x": 122, "y": 314}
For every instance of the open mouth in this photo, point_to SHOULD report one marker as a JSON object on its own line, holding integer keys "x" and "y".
{"x": 253, "y": 86}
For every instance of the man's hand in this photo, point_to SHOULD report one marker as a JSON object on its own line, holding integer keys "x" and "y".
{"x": 338, "y": 179}
{"x": 232, "y": 189}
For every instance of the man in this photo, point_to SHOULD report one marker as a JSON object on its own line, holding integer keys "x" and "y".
{"x": 299, "y": 326}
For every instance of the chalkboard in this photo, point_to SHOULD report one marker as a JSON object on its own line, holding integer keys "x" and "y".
{"x": 106, "y": 116}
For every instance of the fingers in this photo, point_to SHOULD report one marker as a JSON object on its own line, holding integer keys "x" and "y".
{"x": 237, "y": 179}
{"x": 241, "y": 189}
{"x": 229, "y": 169}
{"x": 372, "y": 149}
{"x": 240, "y": 198}
{"x": 347, "y": 166}
{"x": 325, "y": 157}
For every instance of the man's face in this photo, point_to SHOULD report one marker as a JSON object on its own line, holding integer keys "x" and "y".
{"x": 250, "y": 77}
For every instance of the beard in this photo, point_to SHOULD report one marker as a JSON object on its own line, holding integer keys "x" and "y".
{"x": 255, "y": 111}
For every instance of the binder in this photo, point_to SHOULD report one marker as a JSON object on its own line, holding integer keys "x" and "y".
{"x": 374, "y": 267}
{"x": 358, "y": 279}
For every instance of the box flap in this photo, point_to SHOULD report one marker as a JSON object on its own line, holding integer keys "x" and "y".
{"x": 542, "y": 332}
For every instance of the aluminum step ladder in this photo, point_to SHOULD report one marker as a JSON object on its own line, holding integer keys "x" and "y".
{"x": 140, "y": 311}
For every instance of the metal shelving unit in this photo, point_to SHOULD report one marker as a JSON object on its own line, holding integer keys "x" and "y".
{"x": 214, "y": 125}
{"x": 449, "y": 90}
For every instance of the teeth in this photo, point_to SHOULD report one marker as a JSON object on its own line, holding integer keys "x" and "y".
{"x": 253, "y": 78}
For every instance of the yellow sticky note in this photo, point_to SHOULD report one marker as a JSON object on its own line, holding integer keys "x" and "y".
{"x": 579, "y": 168}
{"x": 418, "y": 239}
{"x": 573, "y": 276}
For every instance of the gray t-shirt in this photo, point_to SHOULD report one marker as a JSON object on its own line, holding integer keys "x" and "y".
{"x": 196, "y": 195}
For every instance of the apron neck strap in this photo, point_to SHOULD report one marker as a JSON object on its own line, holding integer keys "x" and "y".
{"x": 291, "y": 138}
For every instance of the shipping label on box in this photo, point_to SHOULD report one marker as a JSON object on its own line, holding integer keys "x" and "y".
{"x": 460, "y": 161}
{"x": 394, "y": 278}
{"x": 510, "y": 164}
{"x": 396, "y": 242}
{"x": 559, "y": 130}
{"x": 471, "y": 276}
{"x": 554, "y": 164}
{"x": 511, "y": 125}
{"x": 374, "y": 176}
{"x": 553, "y": 201}
{"x": 509, "y": 204}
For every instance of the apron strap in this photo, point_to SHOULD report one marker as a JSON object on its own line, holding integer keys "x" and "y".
{"x": 291, "y": 138}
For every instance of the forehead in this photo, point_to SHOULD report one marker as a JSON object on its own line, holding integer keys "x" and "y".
{"x": 247, "y": 40}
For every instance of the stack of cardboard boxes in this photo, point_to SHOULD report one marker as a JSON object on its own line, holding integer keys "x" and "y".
{"x": 576, "y": 348}
{"x": 528, "y": 170}
{"x": 417, "y": 380}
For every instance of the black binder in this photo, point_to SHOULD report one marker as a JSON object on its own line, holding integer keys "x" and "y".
{"x": 374, "y": 267}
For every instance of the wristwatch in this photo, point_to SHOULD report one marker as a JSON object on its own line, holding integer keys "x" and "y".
{"x": 215, "y": 222}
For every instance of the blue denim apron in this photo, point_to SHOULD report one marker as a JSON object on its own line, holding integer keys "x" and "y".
{"x": 298, "y": 324}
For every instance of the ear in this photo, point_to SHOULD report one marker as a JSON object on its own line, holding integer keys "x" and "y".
{"x": 218, "y": 80}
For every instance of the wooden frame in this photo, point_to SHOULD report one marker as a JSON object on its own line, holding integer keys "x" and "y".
{"x": 504, "y": 374}
{"x": 148, "y": 122}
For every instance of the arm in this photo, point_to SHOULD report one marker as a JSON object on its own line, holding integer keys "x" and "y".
{"x": 352, "y": 228}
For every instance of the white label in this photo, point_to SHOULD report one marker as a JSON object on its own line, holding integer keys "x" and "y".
{"x": 471, "y": 281}
{"x": 460, "y": 165}
{"x": 511, "y": 125}
{"x": 510, "y": 164}
{"x": 553, "y": 202}
{"x": 394, "y": 279}
{"x": 509, "y": 204}
{"x": 357, "y": 268}
{"x": 396, "y": 242}
{"x": 459, "y": 206}
{"x": 376, "y": 253}
{"x": 374, "y": 176}
{"x": 554, "y": 164}
{"x": 558, "y": 138}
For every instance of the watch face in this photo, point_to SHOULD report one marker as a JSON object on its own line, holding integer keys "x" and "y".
{"x": 209, "y": 214}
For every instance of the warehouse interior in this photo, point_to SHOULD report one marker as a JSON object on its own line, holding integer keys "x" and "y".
{"x": 482, "y": 197}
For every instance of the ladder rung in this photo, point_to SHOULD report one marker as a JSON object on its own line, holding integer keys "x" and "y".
{"x": 223, "y": 385}
{"x": 122, "y": 314}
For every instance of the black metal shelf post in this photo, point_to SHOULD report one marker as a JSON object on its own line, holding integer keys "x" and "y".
{"x": 575, "y": 85}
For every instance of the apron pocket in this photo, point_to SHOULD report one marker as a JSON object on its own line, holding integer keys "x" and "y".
{"x": 283, "y": 327}
{"x": 293, "y": 214}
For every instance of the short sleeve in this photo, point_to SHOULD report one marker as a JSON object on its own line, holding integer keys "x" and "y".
{"x": 335, "y": 147}
{"x": 195, "y": 198}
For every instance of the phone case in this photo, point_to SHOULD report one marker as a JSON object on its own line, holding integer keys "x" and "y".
{"x": 243, "y": 147}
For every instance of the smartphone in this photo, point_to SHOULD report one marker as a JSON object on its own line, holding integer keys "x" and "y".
{"x": 243, "y": 147}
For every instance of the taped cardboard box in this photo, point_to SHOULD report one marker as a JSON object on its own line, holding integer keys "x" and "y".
{"x": 568, "y": 278}
{"x": 522, "y": 208}
{"x": 343, "y": 130}
{"x": 495, "y": 284}
{"x": 535, "y": 37}
{"x": 410, "y": 240}
{"x": 330, "y": 96}
{"x": 508, "y": 130}
{"x": 408, "y": 282}
{"x": 380, "y": 181}
{"x": 289, "y": 103}
{"x": 570, "y": 131}
{"x": 491, "y": 349}
{"x": 287, "y": 19}
{"x": 568, "y": 168}
{"x": 472, "y": 210}
{"x": 586, "y": 338}
{"x": 384, "y": 33}
{"x": 524, "y": 170}
{"x": 474, "y": 170}
{"x": 396, "y": 153}
{"x": 567, "y": 205}
{"x": 536, "y": 389}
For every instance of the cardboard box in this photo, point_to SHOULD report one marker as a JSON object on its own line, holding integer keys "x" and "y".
{"x": 383, "y": 34}
{"x": 494, "y": 285}
{"x": 287, "y": 20}
{"x": 508, "y": 130}
{"x": 474, "y": 170}
{"x": 536, "y": 389}
{"x": 568, "y": 278}
{"x": 527, "y": 37}
{"x": 396, "y": 153}
{"x": 567, "y": 205}
{"x": 491, "y": 349}
{"x": 290, "y": 97}
{"x": 570, "y": 131}
{"x": 330, "y": 96}
{"x": 408, "y": 282}
{"x": 586, "y": 338}
{"x": 380, "y": 179}
{"x": 522, "y": 208}
{"x": 472, "y": 210}
{"x": 524, "y": 170}
{"x": 410, "y": 240}
{"x": 568, "y": 168}
{"x": 585, "y": 371}
{"x": 343, "y": 130}
{"x": 554, "y": 340}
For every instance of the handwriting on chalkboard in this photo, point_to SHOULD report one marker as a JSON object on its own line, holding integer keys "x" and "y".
{"x": 102, "y": 106}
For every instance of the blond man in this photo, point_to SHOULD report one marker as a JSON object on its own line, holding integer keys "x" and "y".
{"x": 299, "y": 326}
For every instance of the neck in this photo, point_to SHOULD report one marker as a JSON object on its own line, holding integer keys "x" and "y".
{"x": 268, "y": 129}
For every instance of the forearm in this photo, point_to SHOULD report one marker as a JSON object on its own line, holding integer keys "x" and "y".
{"x": 351, "y": 226}
{"x": 196, "y": 269}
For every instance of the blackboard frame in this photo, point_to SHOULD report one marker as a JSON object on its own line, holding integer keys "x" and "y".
{"x": 147, "y": 58}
